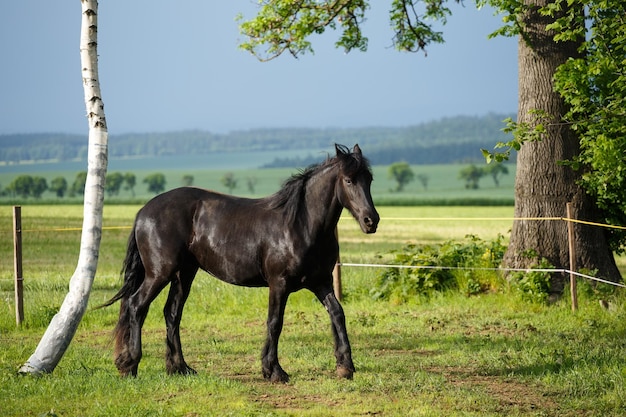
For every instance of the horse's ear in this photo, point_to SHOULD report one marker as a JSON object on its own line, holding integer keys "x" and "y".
{"x": 356, "y": 149}
{"x": 341, "y": 149}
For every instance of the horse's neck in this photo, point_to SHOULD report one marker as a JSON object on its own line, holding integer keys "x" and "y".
{"x": 323, "y": 207}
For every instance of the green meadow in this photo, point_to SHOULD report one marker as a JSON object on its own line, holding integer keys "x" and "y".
{"x": 443, "y": 185}
{"x": 490, "y": 354}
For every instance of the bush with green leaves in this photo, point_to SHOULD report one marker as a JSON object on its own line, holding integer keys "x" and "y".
{"x": 592, "y": 290}
{"x": 468, "y": 266}
{"x": 533, "y": 285}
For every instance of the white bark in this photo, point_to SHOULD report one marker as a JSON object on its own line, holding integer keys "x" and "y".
{"x": 63, "y": 326}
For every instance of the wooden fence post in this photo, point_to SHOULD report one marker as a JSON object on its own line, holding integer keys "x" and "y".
{"x": 572, "y": 257}
{"x": 17, "y": 263}
{"x": 337, "y": 287}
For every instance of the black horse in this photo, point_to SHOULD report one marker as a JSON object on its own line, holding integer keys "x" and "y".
{"x": 285, "y": 241}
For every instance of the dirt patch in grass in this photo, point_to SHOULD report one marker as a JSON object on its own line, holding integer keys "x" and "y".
{"x": 509, "y": 395}
{"x": 299, "y": 402}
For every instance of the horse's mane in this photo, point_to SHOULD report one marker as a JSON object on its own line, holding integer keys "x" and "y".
{"x": 291, "y": 195}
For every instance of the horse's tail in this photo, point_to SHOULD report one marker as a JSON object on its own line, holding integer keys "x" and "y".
{"x": 133, "y": 272}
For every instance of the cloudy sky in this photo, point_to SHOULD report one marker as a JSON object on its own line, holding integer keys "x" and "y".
{"x": 167, "y": 65}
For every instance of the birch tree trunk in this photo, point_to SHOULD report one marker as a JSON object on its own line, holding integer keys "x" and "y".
{"x": 63, "y": 326}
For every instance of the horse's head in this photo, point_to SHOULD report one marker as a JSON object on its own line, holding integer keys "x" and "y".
{"x": 353, "y": 187}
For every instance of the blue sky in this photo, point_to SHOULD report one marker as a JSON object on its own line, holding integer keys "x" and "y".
{"x": 175, "y": 65}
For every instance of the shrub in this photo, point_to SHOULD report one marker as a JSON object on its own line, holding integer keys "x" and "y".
{"x": 533, "y": 285}
{"x": 594, "y": 290}
{"x": 426, "y": 269}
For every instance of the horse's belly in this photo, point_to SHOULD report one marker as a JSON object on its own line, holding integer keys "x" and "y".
{"x": 235, "y": 274}
{"x": 255, "y": 281}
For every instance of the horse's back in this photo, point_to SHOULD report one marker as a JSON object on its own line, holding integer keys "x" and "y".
{"x": 171, "y": 209}
{"x": 183, "y": 201}
{"x": 164, "y": 225}
{"x": 211, "y": 229}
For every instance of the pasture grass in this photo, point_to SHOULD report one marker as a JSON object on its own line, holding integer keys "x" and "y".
{"x": 443, "y": 186}
{"x": 448, "y": 355}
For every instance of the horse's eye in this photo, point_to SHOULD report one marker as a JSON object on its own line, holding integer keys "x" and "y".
{"x": 348, "y": 181}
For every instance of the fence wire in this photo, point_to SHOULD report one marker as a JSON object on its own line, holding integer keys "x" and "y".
{"x": 527, "y": 270}
{"x": 469, "y": 268}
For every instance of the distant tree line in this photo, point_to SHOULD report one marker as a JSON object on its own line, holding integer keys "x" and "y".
{"x": 472, "y": 174}
{"x": 26, "y": 186}
{"x": 42, "y": 147}
{"x": 402, "y": 174}
{"x": 443, "y": 141}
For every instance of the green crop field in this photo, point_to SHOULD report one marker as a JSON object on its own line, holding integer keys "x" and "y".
{"x": 443, "y": 183}
{"x": 449, "y": 355}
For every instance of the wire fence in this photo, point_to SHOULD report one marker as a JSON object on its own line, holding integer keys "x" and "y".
{"x": 426, "y": 219}
{"x": 18, "y": 279}
{"x": 465, "y": 268}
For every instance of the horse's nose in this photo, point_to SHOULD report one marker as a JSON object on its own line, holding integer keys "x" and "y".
{"x": 371, "y": 223}
{"x": 374, "y": 219}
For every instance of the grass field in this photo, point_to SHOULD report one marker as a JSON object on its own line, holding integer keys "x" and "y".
{"x": 450, "y": 355}
{"x": 443, "y": 182}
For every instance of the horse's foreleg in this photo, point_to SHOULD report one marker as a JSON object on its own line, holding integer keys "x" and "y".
{"x": 269, "y": 357}
{"x": 343, "y": 352}
{"x": 173, "y": 311}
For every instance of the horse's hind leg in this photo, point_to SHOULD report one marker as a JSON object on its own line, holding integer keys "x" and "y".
{"x": 173, "y": 311}
{"x": 134, "y": 311}
{"x": 343, "y": 351}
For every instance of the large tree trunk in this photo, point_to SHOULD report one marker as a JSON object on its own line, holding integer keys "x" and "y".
{"x": 542, "y": 186}
{"x": 63, "y": 326}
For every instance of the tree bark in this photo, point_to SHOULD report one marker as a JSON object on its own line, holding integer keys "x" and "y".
{"x": 63, "y": 326}
{"x": 542, "y": 186}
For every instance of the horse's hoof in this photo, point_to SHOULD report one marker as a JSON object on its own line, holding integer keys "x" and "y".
{"x": 276, "y": 376}
{"x": 125, "y": 365}
{"x": 127, "y": 373}
{"x": 187, "y": 371}
{"x": 281, "y": 378}
{"x": 344, "y": 373}
{"x": 183, "y": 370}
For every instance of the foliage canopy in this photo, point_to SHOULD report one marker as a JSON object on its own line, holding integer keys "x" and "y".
{"x": 285, "y": 25}
{"x": 594, "y": 86}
